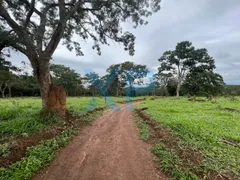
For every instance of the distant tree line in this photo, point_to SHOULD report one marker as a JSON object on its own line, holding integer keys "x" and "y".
{"x": 190, "y": 71}
{"x": 119, "y": 80}
{"x": 183, "y": 71}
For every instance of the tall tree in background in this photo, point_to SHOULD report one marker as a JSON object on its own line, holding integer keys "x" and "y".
{"x": 162, "y": 82}
{"x": 182, "y": 60}
{"x": 117, "y": 83}
{"x": 7, "y": 77}
{"x": 94, "y": 82}
{"x": 27, "y": 85}
{"x": 119, "y": 76}
{"x": 203, "y": 82}
{"x": 177, "y": 62}
{"x": 163, "y": 78}
{"x": 39, "y": 25}
{"x": 66, "y": 77}
{"x": 129, "y": 73}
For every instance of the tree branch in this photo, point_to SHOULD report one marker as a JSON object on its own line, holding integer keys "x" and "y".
{"x": 100, "y": 22}
{"x": 32, "y": 6}
{"x": 55, "y": 39}
{"x": 73, "y": 10}
{"x": 10, "y": 21}
{"x": 87, "y": 31}
{"x": 41, "y": 30}
{"x": 62, "y": 9}
{"x": 19, "y": 48}
{"x": 21, "y": 33}
{"x": 118, "y": 6}
{"x": 10, "y": 41}
{"x": 26, "y": 3}
{"x": 78, "y": 4}
{"x": 58, "y": 33}
{"x": 15, "y": 27}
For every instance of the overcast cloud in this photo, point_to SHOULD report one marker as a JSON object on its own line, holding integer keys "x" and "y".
{"x": 211, "y": 24}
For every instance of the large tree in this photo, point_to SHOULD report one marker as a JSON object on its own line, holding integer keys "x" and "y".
{"x": 204, "y": 83}
{"x": 182, "y": 60}
{"x": 94, "y": 83}
{"x": 66, "y": 77}
{"x": 128, "y": 73}
{"x": 38, "y": 26}
{"x": 114, "y": 82}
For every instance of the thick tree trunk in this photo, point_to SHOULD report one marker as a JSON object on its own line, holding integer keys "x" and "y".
{"x": 53, "y": 97}
{"x": 44, "y": 78}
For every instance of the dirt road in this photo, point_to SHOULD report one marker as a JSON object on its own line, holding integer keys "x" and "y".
{"x": 110, "y": 149}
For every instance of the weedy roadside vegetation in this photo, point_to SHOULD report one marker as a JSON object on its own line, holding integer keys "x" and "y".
{"x": 202, "y": 138}
{"x": 29, "y": 141}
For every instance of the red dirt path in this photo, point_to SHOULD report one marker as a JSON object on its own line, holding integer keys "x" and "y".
{"x": 110, "y": 149}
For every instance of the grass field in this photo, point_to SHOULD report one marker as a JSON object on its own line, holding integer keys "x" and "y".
{"x": 211, "y": 127}
{"x": 23, "y": 130}
{"x": 22, "y": 115}
{"x": 205, "y": 130}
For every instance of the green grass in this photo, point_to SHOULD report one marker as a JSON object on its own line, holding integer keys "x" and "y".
{"x": 42, "y": 154}
{"x": 171, "y": 163}
{"x": 204, "y": 126}
{"x": 4, "y": 149}
{"x": 144, "y": 129}
{"x": 81, "y": 105}
{"x": 21, "y": 116}
{"x": 36, "y": 157}
{"x": 125, "y": 99}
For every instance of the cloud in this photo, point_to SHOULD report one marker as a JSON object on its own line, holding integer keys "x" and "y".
{"x": 207, "y": 24}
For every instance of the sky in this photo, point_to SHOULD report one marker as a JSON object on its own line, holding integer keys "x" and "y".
{"x": 211, "y": 24}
